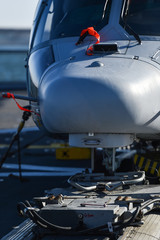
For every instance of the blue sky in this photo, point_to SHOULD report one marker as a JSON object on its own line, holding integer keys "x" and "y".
{"x": 17, "y": 13}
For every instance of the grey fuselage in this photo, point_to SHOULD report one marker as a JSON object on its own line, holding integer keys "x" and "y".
{"x": 110, "y": 97}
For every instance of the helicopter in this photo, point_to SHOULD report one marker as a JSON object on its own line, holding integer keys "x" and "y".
{"x": 93, "y": 70}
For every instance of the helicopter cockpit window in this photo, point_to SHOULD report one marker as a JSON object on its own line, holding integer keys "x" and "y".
{"x": 143, "y": 16}
{"x": 48, "y": 24}
{"x": 66, "y": 18}
{"x": 74, "y": 16}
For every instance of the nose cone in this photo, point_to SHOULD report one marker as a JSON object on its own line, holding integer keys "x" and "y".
{"x": 83, "y": 97}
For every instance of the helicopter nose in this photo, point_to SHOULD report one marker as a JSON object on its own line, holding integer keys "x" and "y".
{"x": 80, "y": 98}
{"x": 80, "y": 105}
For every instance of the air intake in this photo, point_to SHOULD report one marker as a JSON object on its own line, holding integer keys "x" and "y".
{"x": 105, "y": 48}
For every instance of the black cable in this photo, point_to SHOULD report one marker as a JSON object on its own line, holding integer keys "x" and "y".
{"x": 126, "y": 224}
{"x": 44, "y": 221}
{"x": 15, "y": 137}
{"x": 81, "y": 38}
{"x": 19, "y": 158}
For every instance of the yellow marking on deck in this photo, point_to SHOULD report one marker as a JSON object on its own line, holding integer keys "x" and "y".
{"x": 147, "y": 165}
{"x": 153, "y": 168}
{"x": 73, "y": 153}
{"x": 141, "y": 162}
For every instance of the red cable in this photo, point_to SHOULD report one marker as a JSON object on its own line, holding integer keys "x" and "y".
{"x": 91, "y": 32}
{"x": 11, "y": 95}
